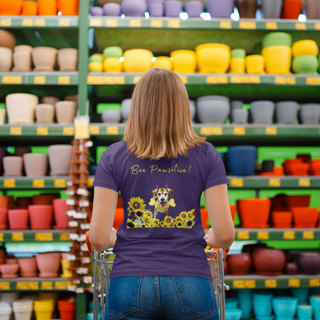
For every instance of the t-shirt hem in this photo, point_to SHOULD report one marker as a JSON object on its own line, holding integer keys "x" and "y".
{"x": 103, "y": 185}
{"x": 216, "y": 182}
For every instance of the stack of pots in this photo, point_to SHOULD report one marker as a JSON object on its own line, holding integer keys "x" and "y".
{"x": 137, "y": 60}
{"x": 40, "y": 216}
{"x": 291, "y": 9}
{"x": 44, "y": 309}
{"x": 48, "y": 264}
{"x": 218, "y": 9}
{"x": 193, "y": 8}
{"x": 12, "y": 166}
{"x": 285, "y": 307}
{"x": 112, "y": 57}
{"x": 61, "y": 218}
{"x": 262, "y": 304}
{"x": 309, "y": 113}
{"x": 59, "y": 159}
{"x": 255, "y": 64}
{"x": 134, "y": 8}
{"x": 125, "y": 109}
{"x": 237, "y": 64}
{"x": 286, "y": 112}
{"x": 35, "y": 164}
{"x": 22, "y": 309}
{"x": 66, "y": 265}
{"x": 5, "y": 310}
{"x": 156, "y": 8}
{"x": 68, "y": 59}
{"x": 262, "y": 112}
{"x": 111, "y": 113}
{"x": 238, "y": 113}
{"x": 277, "y": 52}
{"x": 28, "y": 267}
{"x": 5, "y": 59}
{"x": 44, "y": 58}
{"x": 22, "y": 58}
{"x": 172, "y": 8}
{"x": 245, "y": 302}
{"x": 67, "y": 309}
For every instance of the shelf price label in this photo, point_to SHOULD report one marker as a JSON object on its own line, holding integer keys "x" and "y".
{"x": 135, "y": 23}
{"x": 238, "y": 284}
{"x": 94, "y": 130}
{"x": 308, "y": 235}
{"x": 15, "y": 131}
{"x": 289, "y": 235}
{"x": 317, "y": 26}
{"x": 27, "y": 22}
{"x": 271, "y": 131}
{"x": 300, "y": 26}
{"x": 114, "y": 80}
{"x": 250, "y": 284}
{"x": 313, "y": 81}
{"x": 245, "y": 79}
{"x": 263, "y": 235}
{"x": 64, "y": 22}
{"x": 210, "y": 131}
{"x": 243, "y": 235}
{"x": 239, "y": 131}
{"x": 39, "y": 80}
{"x": 42, "y": 131}
{"x": 33, "y": 285}
{"x": 64, "y": 237}
{"x": 59, "y": 183}
{"x": 95, "y": 80}
{"x": 314, "y": 282}
{"x": 22, "y": 285}
{"x": 11, "y": 79}
{"x": 156, "y": 24}
{"x": 294, "y": 283}
{"x": 95, "y": 22}
{"x": 4, "y": 285}
{"x": 111, "y": 23}
{"x": 39, "y": 22}
{"x": 68, "y": 131}
{"x": 64, "y": 80}
{"x": 271, "y": 25}
{"x": 5, "y": 22}
{"x": 9, "y": 183}
{"x": 174, "y": 24}
{"x": 236, "y": 183}
{"x": 304, "y": 182}
{"x": 136, "y": 79}
{"x": 216, "y": 80}
{"x": 285, "y": 80}
{"x": 47, "y": 285}
{"x": 43, "y": 237}
{"x": 1, "y": 237}
{"x": 184, "y": 79}
{"x": 274, "y": 182}
{"x": 17, "y": 236}
{"x": 61, "y": 285}
{"x": 112, "y": 130}
{"x": 272, "y": 283}
{"x": 38, "y": 183}
{"x": 247, "y": 25}
{"x": 225, "y": 25}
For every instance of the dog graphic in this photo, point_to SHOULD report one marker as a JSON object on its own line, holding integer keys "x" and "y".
{"x": 162, "y": 200}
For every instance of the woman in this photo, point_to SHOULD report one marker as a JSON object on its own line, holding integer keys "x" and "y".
{"x": 161, "y": 168}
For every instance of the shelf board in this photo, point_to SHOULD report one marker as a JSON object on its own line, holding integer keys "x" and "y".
{"x": 39, "y": 78}
{"x": 34, "y": 284}
{"x": 271, "y": 282}
{"x": 39, "y": 22}
{"x": 16, "y": 236}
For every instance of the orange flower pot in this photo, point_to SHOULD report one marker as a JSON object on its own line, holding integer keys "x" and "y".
{"x": 287, "y": 165}
{"x": 68, "y": 8}
{"x": 29, "y": 8}
{"x": 282, "y": 217}
{"x": 282, "y": 226}
{"x": 315, "y": 167}
{"x": 300, "y": 169}
{"x": 47, "y": 7}
{"x": 10, "y": 7}
{"x": 118, "y": 218}
{"x": 67, "y": 309}
{"x": 277, "y": 172}
{"x": 3, "y": 202}
{"x": 305, "y": 216}
{"x": 233, "y": 209}
{"x": 204, "y": 218}
{"x": 297, "y": 201}
{"x": 291, "y": 9}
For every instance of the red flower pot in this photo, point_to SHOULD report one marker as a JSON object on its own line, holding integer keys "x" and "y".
{"x": 18, "y": 219}
{"x": 48, "y": 264}
{"x": 28, "y": 267}
{"x": 282, "y": 217}
{"x": 297, "y": 201}
{"x": 300, "y": 169}
{"x": 315, "y": 167}
{"x": 60, "y": 209}
{"x": 239, "y": 264}
{"x": 40, "y": 217}
{"x": 291, "y": 268}
{"x": 291, "y": 9}
{"x": 3, "y": 218}
{"x": 118, "y": 218}
{"x": 204, "y": 218}
{"x": 269, "y": 262}
{"x": 309, "y": 263}
{"x": 45, "y": 198}
{"x": 287, "y": 165}
{"x": 23, "y": 202}
{"x": 67, "y": 309}
{"x": 305, "y": 216}
{"x": 233, "y": 209}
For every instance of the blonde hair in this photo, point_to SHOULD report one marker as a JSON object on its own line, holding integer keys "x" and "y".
{"x": 159, "y": 124}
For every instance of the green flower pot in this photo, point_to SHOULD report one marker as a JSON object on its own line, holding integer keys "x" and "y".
{"x": 238, "y": 53}
{"x": 305, "y": 64}
{"x": 277, "y": 39}
{"x": 112, "y": 52}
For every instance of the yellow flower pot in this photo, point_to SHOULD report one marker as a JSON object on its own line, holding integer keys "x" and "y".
{"x": 305, "y": 47}
{"x": 95, "y": 67}
{"x": 66, "y": 265}
{"x": 43, "y": 309}
{"x": 255, "y": 64}
{"x": 237, "y": 65}
{"x": 163, "y": 62}
{"x": 213, "y": 60}
{"x": 137, "y": 60}
{"x": 112, "y": 65}
{"x": 184, "y": 61}
{"x": 278, "y": 59}
{"x": 212, "y": 45}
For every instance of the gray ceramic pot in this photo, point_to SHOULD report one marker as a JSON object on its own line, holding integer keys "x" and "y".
{"x": 213, "y": 111}
{"x": 192, "y": 109}
{"x": 239, "y": 115}
{"x": 112, "y": 9}
{"x": 125, "y": 108}
{"x": 156, "y": 9}
{"x": 262, "y": 111}
{"x": 172, "y": 8}
{"x": 236, "y": 104}
{"x": 286, "y": 112}
{"x": 310, "y": 113}
{"x": 111, "y": 116}
{"x": 313, "y": 9}
{"x": 194, "y": 8}
{"x": 271, "y": 9}
{"x": 215, "y": 98}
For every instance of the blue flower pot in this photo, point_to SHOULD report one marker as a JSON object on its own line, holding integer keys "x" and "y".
{"x": 285, "y": 307}
{"x": 231, "y": 303}
{"x": 245, "y": 304}
{"x": 301, "y": 294}
{"x": 305, "y": 312}
{"x": 262, "y": 308}
{"x": 233, "y": 314}
{"x": 315, "y": 302}
{"x": 241, "y": 160}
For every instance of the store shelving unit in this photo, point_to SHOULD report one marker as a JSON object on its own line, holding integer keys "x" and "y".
{"x": 34, "y": 284}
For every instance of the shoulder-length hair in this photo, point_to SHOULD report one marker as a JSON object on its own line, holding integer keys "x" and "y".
{"x": 159, "y": 124}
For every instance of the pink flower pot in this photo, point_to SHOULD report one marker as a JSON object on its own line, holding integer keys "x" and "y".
{"x": 40, "y": 217}
{"x": 18, "y": 219}
{"x": 3, "y": 218}
{"x": 9, "y": 270}
{"x": 28, "y": 266}
{"x": 48, "y": 264}
{"x": 11, "y": 261}
{"x": 60, "y": 209}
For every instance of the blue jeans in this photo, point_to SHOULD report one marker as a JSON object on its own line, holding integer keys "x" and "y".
{"x": 171, "y": 297}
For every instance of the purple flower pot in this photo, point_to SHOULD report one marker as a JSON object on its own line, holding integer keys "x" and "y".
{"x": 172, "y": 8}
{"x": 96, "y": 11}
{"x": 156, "y": 9}
{"x": 134, "y": 8}
{"x": 194, "y": 8}
{"x": 220, "y": 9}
{"x": 112, "y": 9}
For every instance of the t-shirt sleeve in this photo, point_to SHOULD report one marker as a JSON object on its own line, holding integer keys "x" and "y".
{"x": 216, "y": 172}
{"x": 105, "y": 172}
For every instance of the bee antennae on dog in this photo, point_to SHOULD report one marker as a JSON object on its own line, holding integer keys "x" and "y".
{"x": 157, "y": 187}
{"x": 166, "y": 186}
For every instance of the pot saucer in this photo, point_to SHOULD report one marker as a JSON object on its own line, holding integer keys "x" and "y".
{"x": 41, "y": 228}
{"x": 256, "y": 226}
{"x": 20, "y": 70}
{"x": 43, "y": 69}
{"x": 65, "y": 276}
{"x": 272, "y": 273}
{"x": 58, "y": 174}
{"x": 59, "y": 228}
{"x": 282, "y": 226}
{"x": 12, "y": 175}
{"x": 29, "y": 275}
{"x": 306, "y": 226}
{"x": 20, "y": 228}
{"x": 9, "y": 276}
{"x": 3, "y": 226}
{"x": 52, "y": 122}
{"x": 48, "y": 275}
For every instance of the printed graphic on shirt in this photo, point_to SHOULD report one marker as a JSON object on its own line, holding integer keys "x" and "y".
{"x": 162, "y": 200}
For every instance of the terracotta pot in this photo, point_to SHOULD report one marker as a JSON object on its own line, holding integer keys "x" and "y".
{"x": 269, "y": 262}
{"x": 10, "y": 8}
{"x": 45, "y": 113}
{"x": 4, "y": 202}
{"x": 305, "y": 216}
{"x": 67, "y": 309}
{"x": 291, "y": 9}
{"x": 239, "y": 264}
{"x": 40, "y": 216}
{"x": 291, "y": 268}
{"x": 297, "y": 201}
{"x": 68, "y": 8}
{"x": 300, "y": 169}
{"x": 30, "y": 8}
{"x": 204, "y": 217}
{"x": 309, "y": 263}
{"x": 11, "y": 260}
{"x": 60, "y": 209}
{"x": 315, "y": 167}
{"x": 22, "y": 60}
{"x": 21, "y": 108}
{"x": 7, "y": 39}
{"x": 288, "y": 165}
{"x": 9, "y": 270}
{"x": 313, "y": 9}
{"x": 68, "y": 58}
{"x": 18, "y": 219}
{"x": 254, "y": 213}
{"x": 44, "y": 58}
{"x": 233, "y": 209}
{"x": 284, "y": 217}
{"x": 247, "y": 8}
{"x": 48, "y": 264}
{"x": 66, "y": 111}
{"x": 6, "y": 59}
{"x": 45, "y": 199}
{"x": 59, "y": 158}
{"x": 35, "y": 164}
{"x": 12, "y": 166}
{"x": 23, "y": 202}
{"x": 28, "y": 265}
{"x": 47, "y": 7}
{"x": 49, "y": 100}
{"x": 3, "y": 218}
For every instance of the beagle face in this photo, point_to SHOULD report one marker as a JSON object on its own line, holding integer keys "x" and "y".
{"x": 162, "y": 195}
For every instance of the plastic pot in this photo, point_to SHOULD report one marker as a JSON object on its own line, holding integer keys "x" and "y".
{"x": 233, "y": 314}
{"x": 302, "y": 295}
{"x": 112, "y": 52}
{"x": 18, "y": 219}
{"x": 193, "y": 8}
{"x": 163, "y": 62}
{"x": 291, "y": 9}
{"x": 112, "y": 9}
{"x": 192, "y": 109}
{"x": 44, "y": 58}
{"x": 59, "y": 159}
{"x": 43, "y": 309}
{"x": 137, "y": 60}
{"x": 60, "y": 209}
{"x": 285, "y": 307}
{"x": 304, "y": 215}
{"x": 237, "y": 65}
{"x": 267, "y": 166}
{"x": 212, "y": 111}
{"x": 96, "y": 11}
{"x": 125, "y": 108}
{"x": 297, "y": 201}
{"x": 9, "y": 270}
{"x": 49, "y": 100}
{"x": 6, "y": 59}
{"x": 239, "y": 264}
{"x": 271, "y": 9}
{"x": 28, "y": 266}
{"x": 315, "y": 303}
{"x": 304, "y": 311}
{"x": 3, "y": 218}
{"x": 238, "y": 53}
{"x": 68, "y": 8}
{"x": 262, "y": 111}
{"x": 10, "y": 8}
{"x": 68, "y": 59}
{"x": 22, "y": 60}
{"x": 276, "y": 39}
{"x": 29, "y": 8}
{"x": 241, "y": 160}
{"x": 35, "y": 164}
{"x": 111, "y": 116}
{"x": 66, "y": 272}
{"x": 172, "y": 8}
{"x": 12, "y": 166}
{"x": 47, "y": 7}
{"x": 184, "y": 61}
{"x": 310, "y": 113}
{"x": 255, "y": 64}
{"x": 282, "y": 217}
{"x": 67, "y": 309}
{"x": 278, "y": 59}
{"x": 262, "y": 305}
{"x": 22, "y": 309}
{"x": 112, "y": 65}
{"x": 236, "y": 104}
{"x": 313, "y": 9}
{"x": 239, "y": 116}
{"x": 48, "y": 264}
{"x": 305, "y": 47}
{"x": 286, "y": 112}
{"x": 269, "y": 262}
{"x": 44, "y": 199}
{"x": 218, "y": 9}
{"x": 156, "y": 9}
{"x": 307, "y": 64}
{"x": 40, "y": 216}
{"x": 134, "y": 8}
{"x": 5, "y": 311}
{"x": 45, "y": 113}
{"x": 66, "y": 111}
{"x": 247, "y": 8}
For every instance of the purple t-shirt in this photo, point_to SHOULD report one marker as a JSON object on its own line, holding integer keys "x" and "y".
{"x": 162, "y": 234}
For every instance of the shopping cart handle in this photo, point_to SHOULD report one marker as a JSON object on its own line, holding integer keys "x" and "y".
{"x": 89, "y": 245}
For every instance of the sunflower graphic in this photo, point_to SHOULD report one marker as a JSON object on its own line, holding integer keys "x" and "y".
{"x": 172, "y": 224}
{"x": 164, "y": 224}
{"x": 168, "y": 220}
{"x": 183, "y": 215}
{"x": 188, "y": 224}
{"x": 144, "y": 225}
{"x": 179, "y": 222}
{"x": 136, "y": 204}
{"x": 147, "y": 213}
{"x": 147, "y": 220}
{"x": 156, "y": 223}
{"x": 191, "y": 215}
{"x": 132, "y": 224}
{"x": 129, "y": 211}
{"x": 139, "y": 214}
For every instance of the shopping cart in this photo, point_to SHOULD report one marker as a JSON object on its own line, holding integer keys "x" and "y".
{"x": 102, "y": 268}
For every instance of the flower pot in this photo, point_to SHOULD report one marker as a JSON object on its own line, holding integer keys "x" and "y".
{"x": 2, "y": 118}
{"x": 96, "y": 11}
{"x": 271, "y": 9}
{"x": 237, "y": 65}
{"x": 239, "y": 116}
{"x": 262, "y": 305}
{"x": 35, "y": 164}
{"x": 48, "y": 264}
{"x": 278, "y": 59}
{"x": 304, "y": 311}
{"x": 291, "y": 9}
{"x": 67, "y": 309}
{"x": 22, "y": 309}
{"x": 118, "y": 219}
{"x": 112, "y": 52}
{"x": 300, "y": 169}
{"x": 44, "y": 199}
{"x": 262, "y": 111}
{"x": 212, "y": 111}
{"x": 125, "y": 108}
{"x": 231, "y": 303}
{"x": 18, "y": 219}
{"x": 297, "y": 201}
{"x": 267, "y": 166}
{"x": 315, "y": 167}
{"x": 172, "y": 8}
{"x": 45, "y": 113}
{"x": 163, "y": 62}
{"x": 43, "y": 309}
{"x": 236, "y": 104}
{"x": 12, "y": 166}
{"x": 68, "y": 8}
{"x": 204, "y": 217}
{"x": 276, "y": 39}
{"x": 112, "y": 9}
{"x": 238, "y": 53}
{"x": 285, "y": 307}
{"x": 302, "y": 295}
{"x": 233, "y": 210}
{"x": 309, "y": 263}
{"x": 44, "y": 58}
{"x": 291, "y": 268}
{"x": 255, "y": 64}
{"x": 218, "y": 9}
{"x": 111, "y": 116}
{"x": 7, "y": 39}
{"x": 66, "y": 265}
{"x": 286, "y": 112}
{"x": 313, "y": 9}
{"x": 239, "y": 264}
{"x": 68, "y": 59}
{"x": 134, "y": 8}
{"x": 10, "y": 8}
{"x": 184, "y": 61}
{"x": 304, "y": 215}
{"x": 269, "y": 262}
{"x": 49, "y": 100}
{"x": 47, "y": 7}
{"x": 22, "y": 60}
{"x": 60, "y": 209}
{"x": 193, "y": 8}
{"x": 156, "y": 9}
{"x": 288, "y": 165}
{"x": 3, "y": 218}
{"x": 59, "y": 159}
{"x": 282, "y": 217}
{"x": 28, "y": 266}
{"x": 247, "y": 8}
{"x": 305, "y": 47}
{"x": 30, "y": 8}
{"x": 40, "y": 216}
{"x": 192, "y": 109}
{"x": 310, "y": 113}
{"x": 241, "y": 160}
{"x": 137, "y": 60}
{"x": 315, "y": 303}
{"x": 6, "y": 59}
{"x": 112, "y": 65}
{"x": 66, "y": 111}
{"x": 9, "y": 270}
{"x": 307, "y": 64}
{"x": 254, "y": 213}
{"x": 5, "y": 310}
